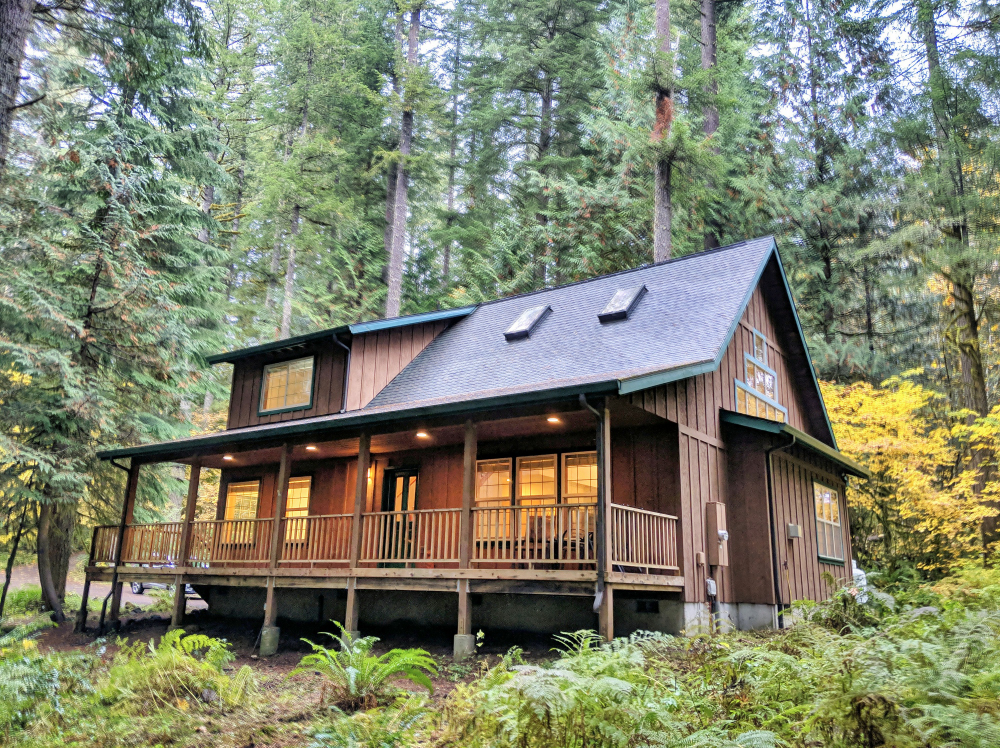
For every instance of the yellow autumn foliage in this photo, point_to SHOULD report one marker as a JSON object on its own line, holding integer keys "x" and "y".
{"x": 921, "y": 504}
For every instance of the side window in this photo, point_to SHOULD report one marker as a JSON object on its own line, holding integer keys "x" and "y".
{"x": 242, "y": 499}
{"x": 536, "y": 480}
{"x": 757, "y": 394}
{"x": 829, "y": 532}
{"x": 297, "y": 507}
{"x": 579, "y": 478}
{"x": 287, "y": 385}
{"x": 493, "y": 482}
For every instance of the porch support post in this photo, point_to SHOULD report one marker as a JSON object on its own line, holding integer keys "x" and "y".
{"x": 360, "y": 496}
{"x": 180, "y": 599}
{"x": 465, "y": 642}
{"x": 270, "y": 632}
{"x": 128, "y": 506}
{"x": 605, "y": 518}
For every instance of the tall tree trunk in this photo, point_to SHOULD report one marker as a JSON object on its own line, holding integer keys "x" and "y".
{"x": 11, "y": 558}
{"x": 663, "y": 210}
{"x": 452, "y": 164}
{"x": 710, "y": 114}
{"x": 46, "y": 577}
{"x": 15, "y": 24}
{"x": 286, "y": 306}
{"x": 395, "y": 294}
{"x": 393, "y": 174}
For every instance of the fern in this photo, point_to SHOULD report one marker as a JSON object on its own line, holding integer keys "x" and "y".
{"x": 361, "y": 680}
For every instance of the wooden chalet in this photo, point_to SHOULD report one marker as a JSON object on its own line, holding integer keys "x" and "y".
{"x": 640, "y": 450}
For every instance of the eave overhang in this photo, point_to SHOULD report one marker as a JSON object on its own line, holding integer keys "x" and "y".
{"x": 801, "y": 438}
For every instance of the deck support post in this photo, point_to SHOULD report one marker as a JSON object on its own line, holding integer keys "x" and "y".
{"x": 360, "y": 496}
{"x": 465, "y": 642}
{"x": 604, "y": 596}
{"x": 180, "y": 599}
{"x": 131, "y": 484}
{"x": 270, "y": 632}
{"x": 606, "y": 614}
{"x": 80, "y": 625}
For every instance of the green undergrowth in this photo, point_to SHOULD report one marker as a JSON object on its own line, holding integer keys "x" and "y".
{"x": 26, "y": 602}
{"x": 917, "y": 668}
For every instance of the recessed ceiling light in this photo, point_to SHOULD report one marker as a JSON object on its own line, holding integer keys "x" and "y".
{"x": 553, "y": 419}
{"x": 227, "y": 457}
{"x": 423, "y": 435}
{"x": 311, "y": 447}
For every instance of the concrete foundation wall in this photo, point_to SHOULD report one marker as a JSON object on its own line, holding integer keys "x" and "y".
{"x": 537, "y": 614}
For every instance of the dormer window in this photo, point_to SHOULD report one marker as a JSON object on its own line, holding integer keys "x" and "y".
{"x": 287, "y": 385}
{"x": 757, "y": 394}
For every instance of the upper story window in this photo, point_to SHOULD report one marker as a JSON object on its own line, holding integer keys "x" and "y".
{"x": 287, "y": 385}
{"x": 757, "y": 394}
{"x": 829, "y": 533}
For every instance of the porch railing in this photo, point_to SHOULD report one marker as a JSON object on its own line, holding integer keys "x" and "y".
{"x": 539, "y": 534}
{"x": 643, "y": 539}
{"x": 230, "y": 542}
{"x": 544, "y": 535}
{"x": 316, "y": 538}
{"x": 154, "y": 544}
{"x": 422, "y": 535}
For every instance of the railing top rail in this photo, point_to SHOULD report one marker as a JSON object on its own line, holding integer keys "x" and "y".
{"x": 155, "y": 524}
{"x": 321, "y": 516}
{"x": 534, "y": 506}
{"x": 222, "y": 521}
{"x": 642, "y": 511}
{"x": 414, "y": 511}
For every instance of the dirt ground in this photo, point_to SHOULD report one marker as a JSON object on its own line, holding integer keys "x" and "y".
{"x": 27, "y": 575}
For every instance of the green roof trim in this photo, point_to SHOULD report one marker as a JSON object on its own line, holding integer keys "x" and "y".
{"x": 277, "y": 345}
{"x": 809, "y": 442}
{"x": 299, "y": 340}
{"x": 411, "y": 319}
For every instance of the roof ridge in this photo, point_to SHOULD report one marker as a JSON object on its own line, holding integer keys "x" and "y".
{"x": 647, "y": 266}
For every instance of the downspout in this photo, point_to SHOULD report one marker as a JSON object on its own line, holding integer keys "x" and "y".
{"x": 121, "y": 539}
{"x": 601, "y": 519}
{"x": 774, "y": 530}
{"x": 347, "y": 373}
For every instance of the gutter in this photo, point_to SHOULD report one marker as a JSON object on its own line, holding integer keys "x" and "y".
{"x": 347, "y": 372}
{"x": 769, "y": 466}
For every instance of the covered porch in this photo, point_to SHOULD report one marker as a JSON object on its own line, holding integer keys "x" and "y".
{"x": 515, "y": 502}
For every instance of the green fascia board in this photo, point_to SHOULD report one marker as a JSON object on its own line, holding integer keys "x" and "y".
{"x": 351, "y": 420}
{"x": 656, "y": 379}
{"x": 278, "y": 345}
{"x": 411, "y": 319}
{"x": 801, "y": 437}
{"x": 379, "y": 324}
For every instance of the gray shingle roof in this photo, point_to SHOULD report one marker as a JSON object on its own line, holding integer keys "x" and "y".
{"x": 685, "y": 318}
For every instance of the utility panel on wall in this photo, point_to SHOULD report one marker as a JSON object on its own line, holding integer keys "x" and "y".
{"x": 716, "y": 534}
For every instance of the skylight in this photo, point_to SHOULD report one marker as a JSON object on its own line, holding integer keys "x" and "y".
{"x": 622, "y": 304}
{"x": 524, "y": 324}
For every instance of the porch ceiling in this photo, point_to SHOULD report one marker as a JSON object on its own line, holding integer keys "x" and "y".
{"x": 437, "y": 435}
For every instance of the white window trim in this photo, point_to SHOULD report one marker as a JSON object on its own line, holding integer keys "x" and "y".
{"x": 565, "y": 481}
{"x": 838, "y": 525}
{"x": 746, "y": 388}
{"x": 261, "y": 410}
{"x": 510, "y": 472}
{"x": 757, "y": 333}
{"x": 553, "y": 499}
{"x": 749, "y": 359}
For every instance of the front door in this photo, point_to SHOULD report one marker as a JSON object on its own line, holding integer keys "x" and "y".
{"x": 399, "y": 496}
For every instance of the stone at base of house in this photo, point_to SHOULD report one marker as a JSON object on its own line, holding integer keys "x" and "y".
{"x": 269, "y": 636}
{"x": 465, "y": 646}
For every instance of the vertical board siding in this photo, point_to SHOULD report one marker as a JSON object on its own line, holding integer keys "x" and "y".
{"x": 248, "y": 374}
{"x": 801, "y": 571}
{"x": 377, "y": 357}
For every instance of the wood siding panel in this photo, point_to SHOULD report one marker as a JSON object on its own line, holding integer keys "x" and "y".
{"x": 377, "y": 357}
